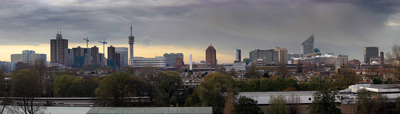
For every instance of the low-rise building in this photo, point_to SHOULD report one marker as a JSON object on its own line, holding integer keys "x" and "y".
{"x": 160, "y": 62}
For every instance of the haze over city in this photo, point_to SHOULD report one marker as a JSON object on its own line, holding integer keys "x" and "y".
{"x": 339, "y": 27}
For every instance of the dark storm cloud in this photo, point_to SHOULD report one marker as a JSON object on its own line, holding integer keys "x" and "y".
{"x": 343, "y": 26}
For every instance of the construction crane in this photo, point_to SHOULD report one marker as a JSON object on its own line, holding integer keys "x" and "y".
{"x": 87, "y": 50}
{"x": 103, "y": 42}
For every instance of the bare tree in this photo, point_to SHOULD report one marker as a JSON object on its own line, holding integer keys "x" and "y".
{"x": 26, "y": 86}
{"x": 393, "y": 60}
{"x": 4, "y": 92}
{"x": 282, "y": 71}
{"x": 294, "y": 104}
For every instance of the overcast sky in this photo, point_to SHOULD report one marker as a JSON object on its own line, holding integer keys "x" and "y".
{"x": 189, "y": 26}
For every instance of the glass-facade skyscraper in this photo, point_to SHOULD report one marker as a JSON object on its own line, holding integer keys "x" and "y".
{"x": 370, "y": 52}
{"x": 307, "y": 47}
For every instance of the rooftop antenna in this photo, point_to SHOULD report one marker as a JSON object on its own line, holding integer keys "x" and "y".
{"x": 60, "y": 30}
{"x": 131, "y": 29}
{"x": 57, "y": 30}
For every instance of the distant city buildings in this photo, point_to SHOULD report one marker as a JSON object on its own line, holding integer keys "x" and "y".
{"x": 28, "y": 57}
{"x": 58, "y": 49}
{"x": 268, "y": 56}
{"x": 16, "y": 58}
{"x": 211, "y": 55}
{"x": 172, "y": 57}
{"x": 111, "y": 57}
{"x": 282, "y": 55}
{"x": 159, "y": 62}
{"x": 32, "y": 58}
{"x": 354, "y": 63}
{"x": 341, "y": 61}
{"x": 123, "y": 52}
{"x": 292, "y": 55}
{"x": 237, "y": 66}
{"x": 7, "y": 66}
{"x": 238, "y": 54}
{"x": 321, "y": 60}
{"x": 25, "y": 55}
{"x": 246, "y": 60}
{"x": 370, "y": 52}
{"x": 307, "y": 47}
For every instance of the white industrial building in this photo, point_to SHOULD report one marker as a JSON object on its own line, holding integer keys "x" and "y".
{"x": 238, "y": 66}
{"x": 160, "y": 62}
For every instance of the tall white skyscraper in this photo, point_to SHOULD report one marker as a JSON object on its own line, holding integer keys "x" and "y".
{"x": 131, "y": 41}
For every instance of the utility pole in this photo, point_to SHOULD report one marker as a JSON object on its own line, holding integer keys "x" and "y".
{"x": 103, "y": 42}
{"x": 87, "y": 50}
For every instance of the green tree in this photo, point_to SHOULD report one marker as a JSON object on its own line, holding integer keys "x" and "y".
{"x": 169, "y": 84}
{"x": 84, "y": 86}
{"x": 390, "y": 81}
{"x": 370, "y": 103}
{"x": 290, "y": 82}
{"x": 325, "y": 100}
{"x": 377, "y": 80}
{"x": 313, "y": 83}
{"x": 245, "y": 105}
{"x": 303, "y": 86}
{"x": 210, "y": 93}
{"x": 252, "y": 85}
{"x": 62, "y": 86}
{"x": 26, "y": 85}
{"x": 277, "y": 105}
{"x": 266, "y": 84}
{"x": 240, "y": 84}
{"x": 116, "y": 89}
{"x": 278, "y": 84}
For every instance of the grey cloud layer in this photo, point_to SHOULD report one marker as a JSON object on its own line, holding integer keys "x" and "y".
{"x": 339, "y": 26}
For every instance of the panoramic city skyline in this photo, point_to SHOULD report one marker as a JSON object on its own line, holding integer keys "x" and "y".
{"x": 188, "y": 27}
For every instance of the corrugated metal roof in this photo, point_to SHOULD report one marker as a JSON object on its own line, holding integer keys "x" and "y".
{"x": 150, "y": 110}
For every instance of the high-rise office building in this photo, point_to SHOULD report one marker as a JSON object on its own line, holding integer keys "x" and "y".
{"x": 95, "y": 56}
{"x": 25, "y": 55}
{"x": 269, "y": 56}
{"x": 58, "y": 49}
{"x": 370, "y": 52}
{"x": 112, "y": 57}
{"x": 123, "y": 51}
{"x": 171, "y": 57}
{"x": 282, "y": 55}
{"x": 238, "y": 53}
{"x": 111, "y": 52}
{"x": 211, "y": 55}
{"x": 79, "y": 56}
{"x": 307, "y": 47}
